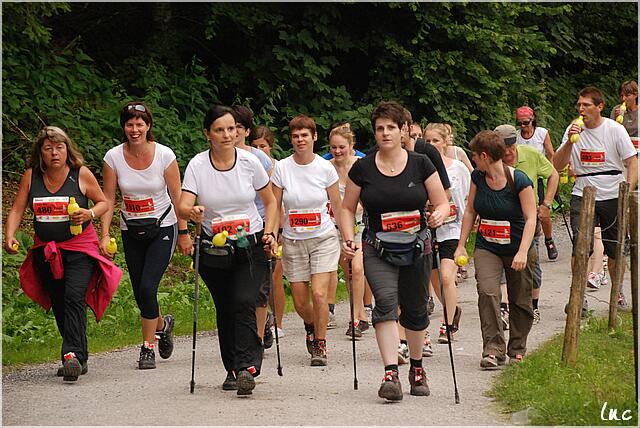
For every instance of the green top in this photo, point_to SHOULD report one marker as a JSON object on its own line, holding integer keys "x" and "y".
{"x": 534, "y": 164}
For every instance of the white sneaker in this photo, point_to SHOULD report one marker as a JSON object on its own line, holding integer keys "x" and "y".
{"x": 403, "y": 354}
{"x": 332, "y": 320}
{"x": 593, "y": 281}
{"x": 280, "y": 332}
{"x": 604, "y": 279}
{"x": 369, "y": 313}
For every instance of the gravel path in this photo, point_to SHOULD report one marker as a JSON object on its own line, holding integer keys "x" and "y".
{"x": 111, "y": 393}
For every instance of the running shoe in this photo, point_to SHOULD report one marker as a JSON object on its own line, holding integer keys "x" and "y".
{"x": 427, "y": 350}
{"x": 431, "y": 306}
{"x": 552, "y": 251}
{"x": 442, "y": 338}
{"x": 504, "y": 316}
{"x": 165, "y": 338}
{"x": 268, "y": 335}
{"x": 593, "y": 281}
{"x": 355, "y": 329}
{"x": 319, "y": 354}
{"x": 369, "y": 312}
{"x": 230, "y": 383}
{"x": 71, "y": 368}
{"x": 245, "y": 381}
{"x": 604, "y": 279}
{"x": 147, "y": 358}
{"x": 331, "y": 323}
{"x": 403, "y": 354}
{"x": 536, "y": 316}
{"x": 85, "y": 370}
{"x": 622, "y": 301}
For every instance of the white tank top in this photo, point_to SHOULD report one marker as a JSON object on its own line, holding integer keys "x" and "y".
{"x": 536, "y": 140}
{"x": 144, "y": 191}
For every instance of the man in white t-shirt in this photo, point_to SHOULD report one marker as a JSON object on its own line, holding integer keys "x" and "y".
{"x": 598, "y": 157}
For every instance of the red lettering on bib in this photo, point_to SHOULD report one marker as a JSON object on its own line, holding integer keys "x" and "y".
{"x": 453, "y": 213}
{"x": 495, "y": 231}
{"x": 138, "y": 206}
{"x": 230, "y": 224}
{"x": 305, "y": 220}
{"x": 51, "y": 209}
{"x": 591, "y": 157}
{"x": 329, "y": 210}
{"x": 634, "y": 141}
{"x": 401, "y": 221}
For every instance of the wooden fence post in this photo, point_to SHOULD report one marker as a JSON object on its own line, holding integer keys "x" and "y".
{"x": 633, "y": 231}
{"x": 583, "y": 239}
{"x": 618, "y": 273}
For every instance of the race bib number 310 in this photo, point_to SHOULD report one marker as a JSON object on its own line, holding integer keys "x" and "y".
{"x": 401, "y": 221}
{"x": 305, "y": 220}
{"x": 51, "y": 209}
{"x": 495, "y": 231}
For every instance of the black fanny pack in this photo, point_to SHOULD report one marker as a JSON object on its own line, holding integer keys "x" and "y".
{"x": 229, "y": 255}
{"x": 145, "y": 228}
{"x": 400, "y": 248}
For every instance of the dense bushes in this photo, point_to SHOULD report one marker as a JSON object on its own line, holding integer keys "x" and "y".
{"x": 469, "y": 64}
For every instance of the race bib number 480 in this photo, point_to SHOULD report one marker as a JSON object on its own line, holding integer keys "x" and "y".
{"x": 305, "y": 220}
{"x": 138, "y": 206}
{"x": 51, "y": 209}
{"x": 230, "y": 224}
{"x": 401, "y": 221}
{"x": 495, "y": 231}
{"x": 592, "y": 157}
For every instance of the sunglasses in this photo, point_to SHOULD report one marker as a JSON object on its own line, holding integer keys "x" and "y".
{"x": 523, "y": 122}
{"x": 137, "y": 107}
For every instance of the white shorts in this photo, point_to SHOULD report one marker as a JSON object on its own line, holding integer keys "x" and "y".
{"x": 302, "y": 258}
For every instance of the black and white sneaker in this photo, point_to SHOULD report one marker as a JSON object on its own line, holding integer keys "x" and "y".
{"x": 165, "y": 338}
{"x": 147, "y": 357}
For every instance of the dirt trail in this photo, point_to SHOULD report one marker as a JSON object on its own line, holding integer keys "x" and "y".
{"x": 114, "y": 390}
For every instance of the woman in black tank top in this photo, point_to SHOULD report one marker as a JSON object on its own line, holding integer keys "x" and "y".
{"x": 55, "y": 175}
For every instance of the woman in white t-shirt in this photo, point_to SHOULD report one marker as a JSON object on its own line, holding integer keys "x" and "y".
{"x": 448, "y": 234}
{"x": 310, "y": 251}
{"x": 225, "y": 181}
{"x": 147, "y": 175}
{"x": 341, "y": 142}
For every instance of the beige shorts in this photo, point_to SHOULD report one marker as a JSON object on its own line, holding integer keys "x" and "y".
{"x": 302, "y": 258}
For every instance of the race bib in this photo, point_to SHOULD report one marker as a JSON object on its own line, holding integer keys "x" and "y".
{"x": 330, "y": 211}
{"x": 138, "y": 206}
{"x": 230, "y": 224}
{"x": 495, "y": 231}
{"x": 51, "y": 209}
{"x": 305, "y": 220}
{"x": 634, "y": 141}
{"x": 589, "y": 157}
{"x": 401, "y": 221}
{"x": 453, "y": 213}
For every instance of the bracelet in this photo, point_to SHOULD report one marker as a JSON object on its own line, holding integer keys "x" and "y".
{"x": 183, "y": 231}
{"x": 272, "y": 234}
{"x": 93, "y": 215}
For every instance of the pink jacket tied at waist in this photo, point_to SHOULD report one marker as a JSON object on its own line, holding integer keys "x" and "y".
{"x": 104, "y": 281}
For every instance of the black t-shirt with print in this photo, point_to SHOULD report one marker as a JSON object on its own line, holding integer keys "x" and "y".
{"x": 381, "y": 194}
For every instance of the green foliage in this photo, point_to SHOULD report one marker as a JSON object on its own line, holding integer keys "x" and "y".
{"x": 563, "y": 395}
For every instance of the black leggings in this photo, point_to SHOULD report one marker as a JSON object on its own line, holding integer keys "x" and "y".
{"x": 68, "y": 298}
{"x": 234, "y": 293}
{"x": 147, "y": 260}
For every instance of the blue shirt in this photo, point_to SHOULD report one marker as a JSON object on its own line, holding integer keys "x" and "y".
{"x": 358, "y": 153}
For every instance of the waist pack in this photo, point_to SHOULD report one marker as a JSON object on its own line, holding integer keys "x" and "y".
{"x": 400, "y": 248}
{"x": 145, "y": 228}
{"x": 229, "y": 255}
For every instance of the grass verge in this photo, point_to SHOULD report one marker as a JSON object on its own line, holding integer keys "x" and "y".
{"x": 558, "y": 395}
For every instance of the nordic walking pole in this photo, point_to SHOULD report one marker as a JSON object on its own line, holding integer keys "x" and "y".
{"x": 436, "y": 250}
{"x": 196, "y": 265}
{"x": 353, "y": 328}
{"x": 563, "y": 217}
{"x": 275, "y": 312}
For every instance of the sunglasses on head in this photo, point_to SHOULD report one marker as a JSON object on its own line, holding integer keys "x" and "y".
{"x": 137, "y": 107}
{"x": 523, "y": 122}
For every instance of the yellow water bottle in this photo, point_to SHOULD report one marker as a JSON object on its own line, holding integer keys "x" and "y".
{"x": 623, "y": 110}
{"x": 580, "y": 122}
{"x": 462, "y": 260}
{"x": 564, "y": 175}
{"x": 219, "y": 239}
{"x": 76, "y": 229}
{"x": 15, "y": 246}
{"x": 112, "y": 247}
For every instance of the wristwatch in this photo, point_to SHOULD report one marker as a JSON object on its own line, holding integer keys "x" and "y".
{"x": 546, "y": 204}
{"x": 183, "y": 231}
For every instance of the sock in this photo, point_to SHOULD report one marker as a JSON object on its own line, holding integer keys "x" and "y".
{"x": 535, "y": 303}
{"x": 403, "y": 342}
{"x": 309, "y": 328}
{"x": 370, "y": 306}
{"x": 504, "y": 306}
{"x": 393, "y": 367}
{"x": 415, "y": 363}
{"x": 332, "y": 308}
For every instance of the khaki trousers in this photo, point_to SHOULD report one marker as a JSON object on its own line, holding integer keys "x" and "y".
{"x": 489, "y": 268}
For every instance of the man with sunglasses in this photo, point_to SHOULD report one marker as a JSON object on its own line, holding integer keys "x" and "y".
{"x": 531, "y": 134}
{"x": 598, "y": 158}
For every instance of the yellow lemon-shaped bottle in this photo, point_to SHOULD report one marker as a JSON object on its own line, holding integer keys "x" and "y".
{"x": 576, "y": 137}
{"x": 279, "y": 251}
{"x": 76, "y": 229}
{"x": 219, "y": 239}
{"x": 623, "y": 110}
{"x": 462, "y": 260}
{"x": 564, "y": 175}
{"x": 15, "y": 246}
{"x": 112, "y": 247}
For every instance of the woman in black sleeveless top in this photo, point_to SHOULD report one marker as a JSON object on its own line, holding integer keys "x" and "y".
{"x": 55, "y": 175}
